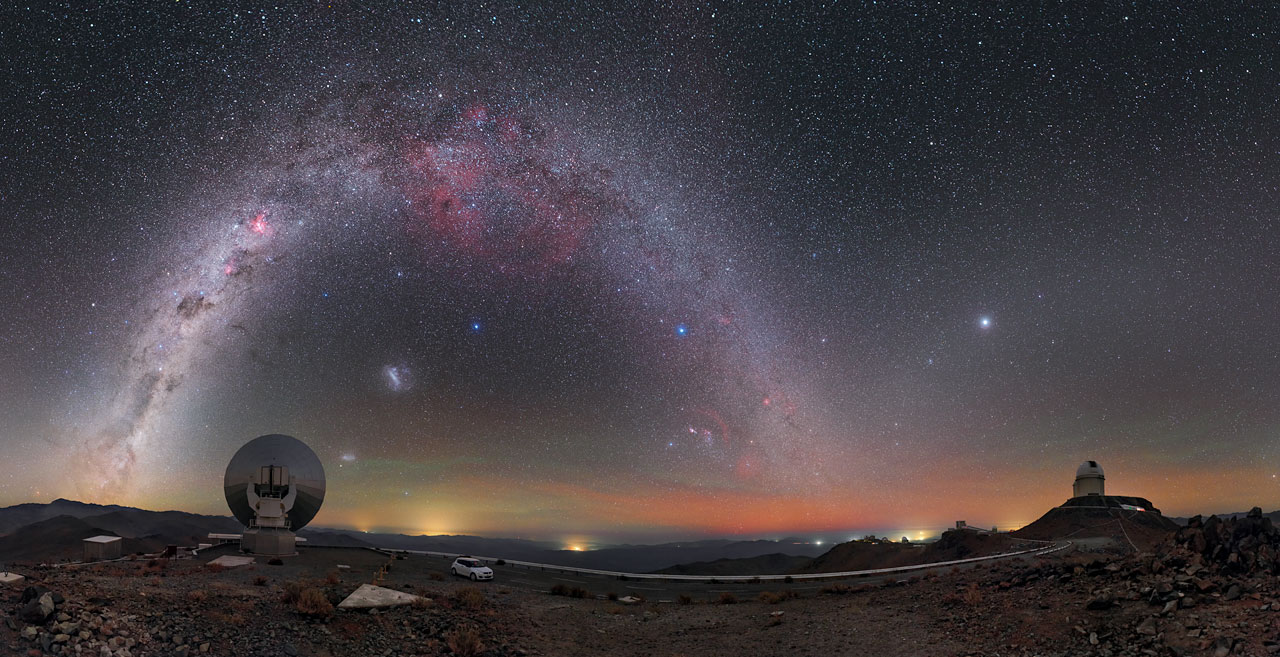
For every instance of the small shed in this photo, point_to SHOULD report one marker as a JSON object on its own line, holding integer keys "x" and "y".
{"x": 100, "y": 548}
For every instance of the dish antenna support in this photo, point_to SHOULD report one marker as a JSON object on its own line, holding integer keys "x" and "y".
{"x": 274, "y": 486}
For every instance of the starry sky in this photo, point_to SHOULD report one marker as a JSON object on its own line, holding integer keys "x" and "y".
{"x": 642, "y": 271}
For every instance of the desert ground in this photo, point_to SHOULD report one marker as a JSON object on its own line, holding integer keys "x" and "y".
{"x": 1208, "y": 590}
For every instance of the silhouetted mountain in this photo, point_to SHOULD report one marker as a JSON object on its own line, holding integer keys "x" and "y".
{"x": 954, "y": 544}
{"x": 152, "y": 530}
{"x": 1118, "y": 529}
{"x": 627, "y": 558}
{"x": 648, "y": 558}
{"x": 327, "y": 538}
{"x": 1274, "y": 515}
{"x": 13, "y": 517}
{"x": 60, "y": 539}
{"x": 173, "y": 527}
{"x": 54, "y": 531}
{"x": 765, "y": 564}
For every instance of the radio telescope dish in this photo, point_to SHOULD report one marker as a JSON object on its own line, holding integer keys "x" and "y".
{"x": 277, "y": 467}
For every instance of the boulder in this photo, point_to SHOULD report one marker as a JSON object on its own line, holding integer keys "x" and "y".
{"x": 37, "y": 611}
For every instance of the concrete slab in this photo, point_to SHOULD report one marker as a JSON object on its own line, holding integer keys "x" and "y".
{"x": 231, "y": 561}
{"x": 11, "y": 579}
{"x": 369, "y": 596}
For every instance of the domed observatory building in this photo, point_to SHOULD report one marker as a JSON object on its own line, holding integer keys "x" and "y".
{"x": 1089, "y": 480}
{"x": 1089, "y": 491}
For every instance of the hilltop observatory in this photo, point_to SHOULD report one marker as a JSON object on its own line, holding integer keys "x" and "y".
{"x": 1089, "y": 480}
{"x": 1125, "y": 521}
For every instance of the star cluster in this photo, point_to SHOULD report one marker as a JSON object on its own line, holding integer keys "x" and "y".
{"x": 610, "y": 269}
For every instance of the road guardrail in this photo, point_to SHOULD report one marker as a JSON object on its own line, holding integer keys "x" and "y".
{"x": 1039, "y": 551}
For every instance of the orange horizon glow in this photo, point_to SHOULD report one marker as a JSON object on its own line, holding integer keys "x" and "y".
{"x": 482, "y": 504}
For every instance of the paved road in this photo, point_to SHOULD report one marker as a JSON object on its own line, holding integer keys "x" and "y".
{"x": 538, "y": 580}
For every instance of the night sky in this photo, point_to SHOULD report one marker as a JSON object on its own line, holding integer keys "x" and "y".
{"x": 643, "y": 272}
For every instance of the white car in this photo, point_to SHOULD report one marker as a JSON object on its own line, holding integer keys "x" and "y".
{"x": 469, "y": 567}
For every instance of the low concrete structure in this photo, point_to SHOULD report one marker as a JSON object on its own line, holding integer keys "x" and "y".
{"x": 219, "y": 539}
{"x": 369, "y": 596}
{"x": 11, "y": 579}
{"x": 269, "y": 542}
{"x": 231, "y": 561}
{"x": 101, "y": 548}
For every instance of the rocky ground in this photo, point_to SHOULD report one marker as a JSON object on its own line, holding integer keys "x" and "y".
{"x": 1211, "y": 589}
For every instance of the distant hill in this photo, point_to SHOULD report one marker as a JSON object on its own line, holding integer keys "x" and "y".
{"x": 171, "y": 527}
{"x": 1274, "y": 515}
{"x": 954, "y": 544}
{"x": 60, "y": 539}
{"x": 31, "y": 535}
{"x": 625, "y": 558}
{"x": 13, "y": 517}
{"x": 765, "y": 564}
{"x": 860, "y": 555}
{"x": 1116, "y": 528}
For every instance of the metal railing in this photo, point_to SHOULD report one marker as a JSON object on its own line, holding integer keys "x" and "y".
{"x": 1050, "y": 548}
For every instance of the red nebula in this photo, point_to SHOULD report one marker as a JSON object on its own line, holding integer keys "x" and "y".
{"x": 492, "y": 190}
{"x": 715, "y": 417}
{"x": 259, "y": 223}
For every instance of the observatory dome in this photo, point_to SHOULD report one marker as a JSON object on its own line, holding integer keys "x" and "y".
{"x": 1089, "y": 480}
{"x": 1089, "y": 469}
{"x": 303, "y": 467}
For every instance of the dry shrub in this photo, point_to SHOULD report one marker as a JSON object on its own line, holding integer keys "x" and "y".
{"x": 292, "y": 592}
{"x": 260, "y": 580}
{"x": 685, "y": 599}
{"x": 836, "y": 589}
{"x": 421, "y": 603}
{"x": 313, "y": 603}
{"x": 436, "y": 576}
{"x": 332, "y": 579}
{"x": 728, "y": 598}
{"x": 197, "y": 596}
{"x": 578, "y": 592}
{"x": 612, "y": 595}
{"x": 469, "y": 598}
{"x": 774, "y": 621}
{"x": 464, "y": 641}
{"x": 613, "y": 609}
{"x": 969, "y": 597}
{"x": 774, "y": 597}
{"x": 214, "y": 567}
{"x": 559, "y": 589}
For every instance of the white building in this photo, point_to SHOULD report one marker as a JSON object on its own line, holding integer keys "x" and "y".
{"x": 99, "y": 548}
{"x": 1089, "y": 480}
